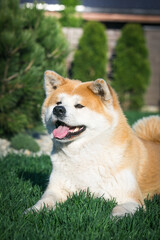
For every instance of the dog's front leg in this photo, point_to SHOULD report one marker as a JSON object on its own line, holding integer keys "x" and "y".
{"x": 54, "y": 193}
{"x": 129, "y": 196}
{"x": 130, "y": 204}
{"x": 125, "y": 208}
{"x": 49, "y": 199}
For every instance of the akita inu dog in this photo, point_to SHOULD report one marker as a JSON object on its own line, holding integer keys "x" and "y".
{"x": 94, "y": 147}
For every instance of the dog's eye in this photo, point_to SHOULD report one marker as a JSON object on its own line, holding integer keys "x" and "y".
{"x": 58, "y": 103}
{"x": 79, "y": 106}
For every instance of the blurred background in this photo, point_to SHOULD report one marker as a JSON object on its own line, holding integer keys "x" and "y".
{"x": 118, "y": 40}
{"x": 115, "y": 14}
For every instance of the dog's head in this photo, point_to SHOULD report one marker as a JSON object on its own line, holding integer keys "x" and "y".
{"x": 74, "y": 110}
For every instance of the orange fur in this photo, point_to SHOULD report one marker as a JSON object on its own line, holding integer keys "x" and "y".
{"x": 148, "y": 128}
{"x": 142, "y": 154}
{"x": 73, "y": 87}
{"x": 67, "y": 88}
{"x": 149, "y": 170}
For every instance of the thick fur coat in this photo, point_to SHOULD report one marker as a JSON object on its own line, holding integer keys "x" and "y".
{"x": 94, "y": 147}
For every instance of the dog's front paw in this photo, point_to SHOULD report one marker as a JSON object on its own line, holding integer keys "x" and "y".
{"x": 32, "y": 209}
{"x": 40, "y": 204}
{"x": 125, "y": 209}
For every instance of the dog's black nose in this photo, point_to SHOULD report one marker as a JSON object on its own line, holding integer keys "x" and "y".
{"x": 59, "y": 111}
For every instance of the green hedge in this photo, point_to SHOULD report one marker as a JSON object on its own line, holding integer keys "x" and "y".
{"x": 131, "y": 70}
{"x": 24, "y": 141}
{"x": 69, "y": 17}
{"x": 90, "y": 60}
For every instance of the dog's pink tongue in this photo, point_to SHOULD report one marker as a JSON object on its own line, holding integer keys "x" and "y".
{"x": 60, "y": 132}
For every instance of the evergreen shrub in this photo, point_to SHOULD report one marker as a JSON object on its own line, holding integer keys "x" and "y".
{"x": 30, "y": 43}
{"x": 69, "y": 17}
{"x": 131, "y": 70}
{"x": 24, "y": 141}
{"x": 90, "y": 59}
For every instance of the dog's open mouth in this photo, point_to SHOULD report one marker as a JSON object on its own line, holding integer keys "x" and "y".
{"x": 64, "y": 131}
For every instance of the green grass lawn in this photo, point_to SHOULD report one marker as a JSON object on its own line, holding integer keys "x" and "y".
{"x": 22, "y": 182}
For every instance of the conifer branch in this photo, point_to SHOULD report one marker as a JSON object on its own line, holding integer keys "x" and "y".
{"x": 12, "y": 77}
{"x": 29, "y": 66}
{"x": 6, "y": 69}
{"x": 15, "y": 50}
{"x": 16, "y": 74}
{"x": 50, "y": 55}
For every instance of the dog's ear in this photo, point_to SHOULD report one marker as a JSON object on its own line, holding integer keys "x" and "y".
{"x": 102, "y": 89}
{"x": 52, "y": 81}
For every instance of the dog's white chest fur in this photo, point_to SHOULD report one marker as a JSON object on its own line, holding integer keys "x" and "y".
{"x": 92, "y": 167}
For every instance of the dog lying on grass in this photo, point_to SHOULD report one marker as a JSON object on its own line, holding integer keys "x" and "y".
{"x": 95, "y": 148}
